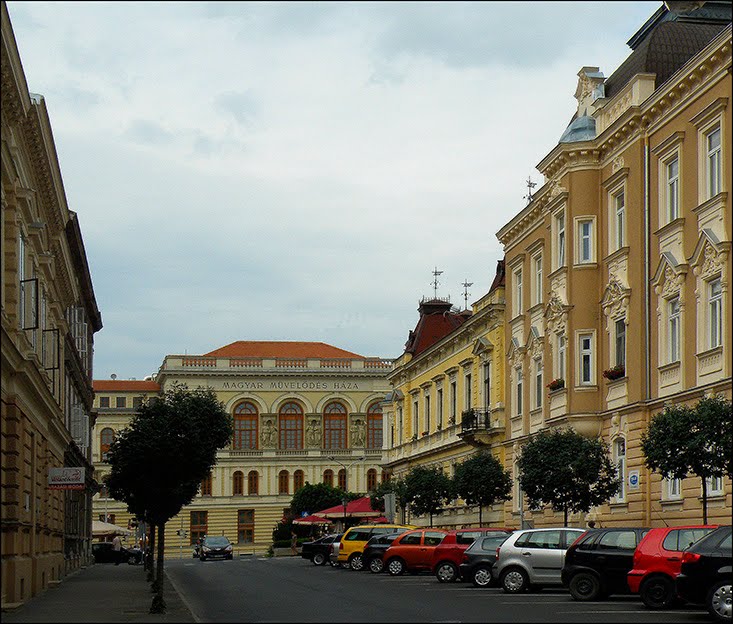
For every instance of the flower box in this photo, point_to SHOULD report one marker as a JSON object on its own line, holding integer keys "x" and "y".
{"x": 556, "y": 384}
{"x": 616, "y": 372}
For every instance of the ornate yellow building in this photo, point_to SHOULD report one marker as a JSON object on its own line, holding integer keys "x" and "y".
{"x": 447, "y": 394}
{"x": 618, "y": 270}
{"x": 302, "y": 412}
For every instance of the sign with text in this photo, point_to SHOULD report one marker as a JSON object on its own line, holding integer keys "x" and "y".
{"x": 66, "y": 478}
{"x": 633, "y": 479}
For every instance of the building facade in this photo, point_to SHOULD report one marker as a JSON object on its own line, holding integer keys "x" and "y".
{"x": 48, "y": 320}
{"x": 618, "y": 270}
{"x": 447, "y": 397}
{"x": 302, "y": 412}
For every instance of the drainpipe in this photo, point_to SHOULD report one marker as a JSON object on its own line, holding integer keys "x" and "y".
{"x": 647, "y": 320}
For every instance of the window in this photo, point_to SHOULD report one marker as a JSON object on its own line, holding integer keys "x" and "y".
{"x": 560, "y": 233}
{"x": 673, "y": 189}
{"x": 137, "y": 402}
{"x": 674, "y": 488}
{"x": 620, "y": 327}
{"x": 585, "y": 342}
{"x": 679, "y": 539}
{"x": 298, "y": 480}
{"x": 245, "y": 526}
{"x": 415, "y": 417}
{"x": 440, "y": 408}
{"x": 283, "y": 482}
{"x": 469, "y": 392}
{"x": 517, "y": 292}
{"x": 253, "y": 483}
{"x": 375, "y": 426}
{"x": 334, "y": 426}
{"x": 715, "y": 486}
{"x": 617, "y": 540}
{"x": 206, "y": 486}
{"x": 713, "y": 163}
{"x": 715, "y": 312}
{"x": 487, "y": 384}
{"x": 453, "y": 400}
{"x": 121, "y": 402}
{"x": 199, "y": 525}
{"x": 674, "y": 329}
{"x": 107, "y": 517}
{"x": 537, "y": 299}
{"x": 518, "y": 374}
{"x": 538, "y": 387}
{"x": 245, "y": 426}
{"x": 411, "y": 539}
{"x": 585, "y": 241}
{"x": 291, "y": 426}
{"x": 619, "y": 203}
{"x": 238, "y": 483}
{"x": 371, "y": 479}
{"x": 619, "y": 456}
{"x": 106, "y": 437}
{"x": 104, "y": 401}
{"x": 427, "y": 411}
{"x": 328, "y": 477}
{"x": 342, "y": 479}
{"x": 540, "y": 539}
{"x": 561, "y": 355}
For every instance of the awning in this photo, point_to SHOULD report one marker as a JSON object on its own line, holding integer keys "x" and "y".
{"x": 103, "y": 529}
{"x": 359, "y": 508}
{"x": 312, "y": 519}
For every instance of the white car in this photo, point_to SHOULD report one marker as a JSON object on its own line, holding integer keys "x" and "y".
{"x": 533, "y": 557}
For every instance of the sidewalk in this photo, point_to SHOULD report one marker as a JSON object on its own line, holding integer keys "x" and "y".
{"x": 102, "y": 592}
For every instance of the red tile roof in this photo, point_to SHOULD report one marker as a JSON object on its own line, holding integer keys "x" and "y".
{"x": 124, "y": 385}
{"x": 281, "y": 349}
{"x": 436, "y": 322}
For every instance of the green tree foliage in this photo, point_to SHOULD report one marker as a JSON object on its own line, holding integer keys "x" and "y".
{"x": 567, "y": 471}
{"x": 427, "y": 490}
{"x": 482, "y": 480}
{"x": 158, "y": 463}
{"x": 313, "y": 498}
{"x": 396, "y": 486}
{"x": 684, "y": 440}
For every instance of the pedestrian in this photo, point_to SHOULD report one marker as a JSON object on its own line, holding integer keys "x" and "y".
{"x": 117, "y": 548}
{"x": 294, "y": 542}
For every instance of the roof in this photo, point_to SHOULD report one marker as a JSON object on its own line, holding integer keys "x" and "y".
{"x": 580, "y": 129}
{"x": 436, "y": 321}
{"x": 500, "y": 277}
{"x": 124, "y": 385}
{"x": 282, "y": 349}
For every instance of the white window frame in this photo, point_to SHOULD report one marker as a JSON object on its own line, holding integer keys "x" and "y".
{"x": 672, "y": 188}
{"x": 618, "y": 323}
{"x": 619, "y": 459}
{"x": 715, "y": 313}
{"x": 673, "y": 489}
{"x": 518, "y": 391}
{"x": 537, "y": 275}
{"x": 582, "y": 236}
{"x": 518, "y": 291}
{"x": 468, "y": 389}
{"x": 715, "y": 486}
{"x": 713, "y": 162}
{"x": 617, "y": 215}
{"x": 560, "y": 239}
{"x": 582, "y": 354}
{"x": 562, "y": 353}
{"x": 538, "y": 383}
{"x": 673, "y": 329}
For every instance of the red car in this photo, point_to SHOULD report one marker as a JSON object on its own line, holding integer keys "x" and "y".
{"x": 412, "y": 551}
{"x": 447, "y": 557}
{"x": 657, "y": 561}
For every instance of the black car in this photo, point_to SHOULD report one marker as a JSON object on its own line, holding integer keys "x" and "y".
{"x": 597, "y": 563}
{"x": 104, "y": 553}
{"x": 216, "y": 547}
{"x": 479, "y": 557}
{"x": 317, "y": 551}
{"x": 374, "y": 551}
{"x": 705, "y": 574}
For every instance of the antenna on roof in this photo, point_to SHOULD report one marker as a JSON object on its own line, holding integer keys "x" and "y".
{"x": 113, "y": 376}
{"x": 465, "y": 285}
{"x": 435, "y": 281}
{"x": 530, "y": 186}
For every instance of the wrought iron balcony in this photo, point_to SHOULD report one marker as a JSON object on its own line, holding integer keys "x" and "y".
{"x": 477, "y": 427}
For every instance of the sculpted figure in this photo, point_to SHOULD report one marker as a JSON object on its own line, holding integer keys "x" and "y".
{"x": 313, "y": 433}
{"x": 358, "y": 433}
{"x": 269, "y": 434}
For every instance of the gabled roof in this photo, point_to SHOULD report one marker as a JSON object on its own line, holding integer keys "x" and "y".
{"x": 436, "y": 321}
{"x": 281, "y": 349}
{"x": 124, "y": 385}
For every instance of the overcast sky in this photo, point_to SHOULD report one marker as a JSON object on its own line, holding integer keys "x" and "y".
{"x": 278, "y": 171}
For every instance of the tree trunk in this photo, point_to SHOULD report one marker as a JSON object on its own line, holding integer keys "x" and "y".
{"x": 158, "y": 605}
{"x": 151, "y": 557}
{"x": 431, "y": 519}
{"x": 704, "y": 500}
{"x": 565, "y": 512}
{"x": 480, "y": 515}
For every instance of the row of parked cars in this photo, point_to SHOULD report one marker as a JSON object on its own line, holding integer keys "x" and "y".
{"x": 665, "y": 566}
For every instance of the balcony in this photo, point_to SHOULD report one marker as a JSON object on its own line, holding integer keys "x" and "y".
{"x": 477, "y": 426}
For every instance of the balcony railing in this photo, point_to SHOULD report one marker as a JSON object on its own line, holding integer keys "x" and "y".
{"x": 475, "y": 419}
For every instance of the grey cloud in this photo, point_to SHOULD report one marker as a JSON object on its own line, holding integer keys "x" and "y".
{"x": 81, "y": 99}
{"x": 148, "y": 133}
{"x": 241, "y": 105}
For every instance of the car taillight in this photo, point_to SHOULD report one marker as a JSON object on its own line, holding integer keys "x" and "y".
{"x": 465, "y": 559}
{"x": 689, "y": 557}
{"x": 497, "y": 552}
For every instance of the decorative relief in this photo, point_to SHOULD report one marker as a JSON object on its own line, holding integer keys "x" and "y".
{"x": 672, "y": 283}
{"x": 516, "y": 357}
{"x": 313, "y": 433}
{"x": 358, "y": 432}
{"x": 556, "y": 188}
{"x": 712, "y": 263}
{"x": 615, "y": 301}
{"x": 618, "y": 163}
{"x": 556, "y": 315}
{"x": 268, "y": 437}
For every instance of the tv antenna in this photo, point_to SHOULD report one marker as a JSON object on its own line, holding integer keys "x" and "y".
{"x": 530, "y": 186}
{"x": 465, "y": 285}
{"x": 435, "y": 281}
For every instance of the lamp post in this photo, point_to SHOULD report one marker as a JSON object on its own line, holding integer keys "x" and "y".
{"x": 346, "y": 467}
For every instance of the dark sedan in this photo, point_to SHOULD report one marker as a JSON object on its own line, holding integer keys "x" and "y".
{"x": 216, "y": 547}
{"x": 374, "y": 551}
{"x": 317, "y": 551}
{"x": 478, "y": 559}
{"x": 103, "y": 553}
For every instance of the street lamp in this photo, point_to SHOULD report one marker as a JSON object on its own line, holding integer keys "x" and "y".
{"x": 346, "y": 467}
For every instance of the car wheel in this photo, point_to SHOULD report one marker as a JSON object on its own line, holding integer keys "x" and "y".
{"x": 658, "y": 592}
{"x": 446, "y": 572}
{"x": 319, "y": 559}
{"x": 585, "y": 586}
{"x": 395, "y": 566}
{"x": 482, "y": 577}
{"x": 376, "y": 565}
{"x": 132, "y": 560}
{"x": 356, "y": 562}
{"x": 514, "y": 580}
{"x": 719, "y": 601}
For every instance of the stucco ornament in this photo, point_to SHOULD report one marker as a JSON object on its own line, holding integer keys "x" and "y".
{"x": 268, "y": 437}
{"x": 615, "y": 301}
{"x": 556, "y": 315}
{"x": 618, "y": 163}
{"x": 712, "y": 262}
{"x": 313, "y": 433}
{"x": 535, "y": 347}
{"x": 672, "y": 283}
{"x": 516, "y": 356}
{"x": 556, "y": 188}
{"x": 358, "y": 433}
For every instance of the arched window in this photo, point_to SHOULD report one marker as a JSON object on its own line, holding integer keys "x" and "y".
{"x": 385, "y": 476}
{"x": 328, "y": 477}
{"x": 206, "y": 486}
{"x": 291, "y": 426}
{"x": 298, "y": 480}
{"x": 371, "y": 479}
{"x": 283, "y": 482}
{"x": 106, "y": 437}
{"x": 253, "y": 482}
{"x": 245, "y": 426}
{"x": 238, "y": 483}
{"x": 342, "y": 479}
{"x": 334, "y": 426}
{"x": 374, "y": 426}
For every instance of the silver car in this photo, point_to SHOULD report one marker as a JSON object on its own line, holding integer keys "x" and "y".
{"x": 533, "y": 557}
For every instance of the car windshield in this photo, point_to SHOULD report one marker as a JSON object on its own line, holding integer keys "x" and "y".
{"x": 216, "y": 541}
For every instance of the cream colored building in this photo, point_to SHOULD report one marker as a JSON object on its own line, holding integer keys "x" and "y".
{"x": 623, "y": 258}
{"x": 295, "y": 405}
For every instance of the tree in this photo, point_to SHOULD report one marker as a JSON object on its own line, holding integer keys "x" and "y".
{"x": 159, "y": 462}
{"x": 392, "y": 486}
{"x": 567, "y": 471}
{"x": 427, "y": 490}
{"x": 482, "y": 480}
{"x": 683, "y": 440}
{"x": 312, "y": 498}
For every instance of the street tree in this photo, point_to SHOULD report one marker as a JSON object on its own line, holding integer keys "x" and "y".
{"x": 567, "y": 471}
{"x": 427, "y": 490}
{"x": 697, "y": 440}
{"x": 394, "y": 486}
{"x": 482, "y": 480}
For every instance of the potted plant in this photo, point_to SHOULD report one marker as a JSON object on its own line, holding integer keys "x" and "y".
{"x": 615, "y": 372}
{"x": 424, "y": 433}
{"x": 556, "y": 384}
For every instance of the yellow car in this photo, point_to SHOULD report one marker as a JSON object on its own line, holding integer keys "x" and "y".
{"x": 353, "y": 541}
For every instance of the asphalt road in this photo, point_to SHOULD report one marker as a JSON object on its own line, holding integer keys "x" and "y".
{"x": 290, "y": 589}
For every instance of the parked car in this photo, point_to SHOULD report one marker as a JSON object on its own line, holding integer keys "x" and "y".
{"x": 478, "y": 559}
{"x": 533, "y": 558}
{"x": 333, "y": 552}
{"x": 318, "y": 550}
{"x": 216, "y": 547}
{"x": 375, "y": 549}
{"x": 353, "y": 541}
{"x": 657, "y": 561}
{"x": 103, "y": 553}
{"x": 448, "y": 555}
{"x": 598, "y": 562}
{"x": 413, "y": 551}
{"x": 705, "y": 574}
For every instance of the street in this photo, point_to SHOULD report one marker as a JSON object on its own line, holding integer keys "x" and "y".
{"x": 289, "y": 589}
